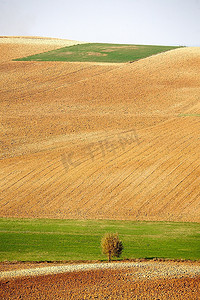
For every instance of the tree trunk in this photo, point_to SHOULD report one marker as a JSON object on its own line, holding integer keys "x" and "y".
{"x": 109, "y": 256}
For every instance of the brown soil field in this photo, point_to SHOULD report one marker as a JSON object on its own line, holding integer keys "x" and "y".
{"x": 101, "y": 284}
{"x": 16, "y": 47}
{"x": 104, "y": 141}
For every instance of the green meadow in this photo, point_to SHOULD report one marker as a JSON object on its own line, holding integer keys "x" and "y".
{"x": 53, "y": 240}
{"x": 98, "y": 52}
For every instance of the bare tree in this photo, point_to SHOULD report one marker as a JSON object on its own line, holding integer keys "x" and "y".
{"x": 111, "y": 245}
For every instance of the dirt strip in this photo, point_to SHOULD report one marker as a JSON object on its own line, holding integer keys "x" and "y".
{"x": 100, "y": 284}
{"x": 142, "y": 270}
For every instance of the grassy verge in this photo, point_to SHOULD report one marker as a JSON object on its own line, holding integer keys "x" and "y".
{"x": 97, "y": 52}
{"x": 50, "y": 240}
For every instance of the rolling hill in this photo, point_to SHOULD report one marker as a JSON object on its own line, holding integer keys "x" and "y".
{"x": 100, "y": 140}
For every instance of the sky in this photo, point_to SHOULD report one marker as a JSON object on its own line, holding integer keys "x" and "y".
{"x": 150, "y": 22}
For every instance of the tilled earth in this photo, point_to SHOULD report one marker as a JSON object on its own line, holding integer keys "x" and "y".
{"x": 17, "y": 47}
{"x": 133, "y": 280}
{"x": 99, "y": 284}
{"x": 81, "y": 140}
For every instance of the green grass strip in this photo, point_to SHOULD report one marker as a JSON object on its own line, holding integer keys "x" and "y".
{"x": 50, "y": 240}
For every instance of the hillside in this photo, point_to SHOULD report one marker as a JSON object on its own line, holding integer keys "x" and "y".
{"x": 94, "y": 140}
{"x": 14, "y": 47}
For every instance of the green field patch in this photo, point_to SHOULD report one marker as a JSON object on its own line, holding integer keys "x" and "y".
{"x": 53, "y": 240}
{"x": 189, "y": 115}
{"x": 98, "y": 52}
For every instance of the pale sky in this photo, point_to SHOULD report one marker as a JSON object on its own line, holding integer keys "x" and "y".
{"x": 152, "y": 22}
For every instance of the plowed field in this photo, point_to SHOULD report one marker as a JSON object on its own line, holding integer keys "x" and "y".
{"x": 101, "y": 284}
{"x": 92, "y": 140}
{"x": 16, "y": 47}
